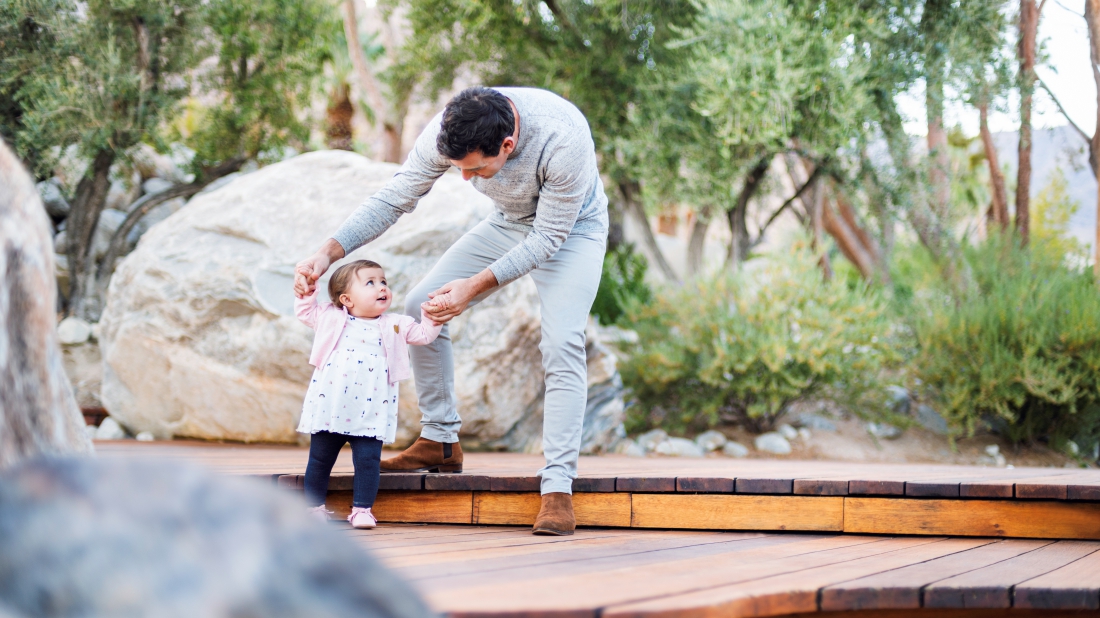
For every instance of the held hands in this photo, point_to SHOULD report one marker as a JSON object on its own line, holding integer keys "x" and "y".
{"x": 307, "y": 272}
{"x": 449, "y": 301}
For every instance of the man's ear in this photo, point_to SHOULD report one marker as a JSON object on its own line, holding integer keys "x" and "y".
{"x": 508, "y": 145}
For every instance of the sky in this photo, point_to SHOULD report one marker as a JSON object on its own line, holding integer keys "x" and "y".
{"x": 1065, "y": 40}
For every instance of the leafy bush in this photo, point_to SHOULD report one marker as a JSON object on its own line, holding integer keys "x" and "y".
{"x": 622, "y": 284}
{"x": 742, "y": 348}
{"x": 1020, "y": 351}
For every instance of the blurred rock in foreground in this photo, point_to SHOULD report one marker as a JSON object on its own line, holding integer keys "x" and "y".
{"x": 80, "y": 537}
{"x": 199, "y": 337}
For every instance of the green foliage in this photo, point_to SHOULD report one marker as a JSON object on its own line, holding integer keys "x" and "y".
{"x": 270, "y": 56}
{"x": 622, "y": 284}
{"x": 742, "y": 348}
{"x": 1051, "y": 210}
{"x": 1020, "y": 352}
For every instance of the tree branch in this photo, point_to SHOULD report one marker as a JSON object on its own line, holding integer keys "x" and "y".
{"x": 790, "y": 200}
{"x": 1080, "y": 131}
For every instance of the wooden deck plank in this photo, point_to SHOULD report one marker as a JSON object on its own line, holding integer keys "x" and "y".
{"x": 901, "y": 588}
{"x": 991, "y": 586}
{"x": 791, "y": 591}
{"x": 601, "y": 583}
{"x": 738, "y": 512}
{"x": 1073, "y": 586}
{"x": 591, "y": 509}
{"x": 995, "y": 518}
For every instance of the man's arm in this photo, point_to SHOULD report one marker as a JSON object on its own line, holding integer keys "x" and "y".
{"x": 381, "y": 210}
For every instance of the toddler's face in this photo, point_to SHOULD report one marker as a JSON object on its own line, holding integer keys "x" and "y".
{"x": 369, "y": 296}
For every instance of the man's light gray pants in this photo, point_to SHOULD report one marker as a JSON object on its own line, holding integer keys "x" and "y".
{"x": 566, "y": 285}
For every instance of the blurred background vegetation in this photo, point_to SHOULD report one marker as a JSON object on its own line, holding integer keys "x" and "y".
{"x": 828, "y": 251}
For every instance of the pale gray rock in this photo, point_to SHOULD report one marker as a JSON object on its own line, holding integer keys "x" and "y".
{"x": 123, "y": 193}
{"x": 53, "y": 199}
{"x": 650, "y": 439}
{"x": 931, "y": 420}
{"x": 898, "y": 399}
{"x": 735, "y": 449}
{"x": 145, "y": 436}
{"x": 159, "y": 213}
{"x": 630, "y": 448}
{"x": 679, "y": 447}
{"x": 815, "y": 422}
{"x": 884, "y": 431}
{"x": 109, "y": 222}
{"x": 61, "y": 242}
{"x": 200, "y": 340}
{"x": 109, "y": 429}
{"x": 772, "y": 442}
{"x": 155, "y": 185}
{"x": 85, "y": 537}
{"x": 73, "y": 331}
{"x": 711, "y": 440}
{"x": 787, "y": 431}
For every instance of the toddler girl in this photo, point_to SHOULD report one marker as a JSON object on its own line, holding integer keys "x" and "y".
{"x": 360, "y": 353}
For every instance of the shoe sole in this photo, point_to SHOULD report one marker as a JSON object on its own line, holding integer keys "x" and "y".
{"x": 551, "y": 532}
{"x": 450, "y": 468}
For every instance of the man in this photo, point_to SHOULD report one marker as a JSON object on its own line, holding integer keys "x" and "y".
{"x": 531, "y": 152}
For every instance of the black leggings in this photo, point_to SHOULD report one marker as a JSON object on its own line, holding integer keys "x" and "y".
{"x": 366, "y": 455}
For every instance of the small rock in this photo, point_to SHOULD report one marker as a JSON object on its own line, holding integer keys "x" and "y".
{"x": 73, "y": 331}
{"x": 109, "y": 221}
{"x": 145, "y": 436}
{"x": 992, "y": 450}
{"x": 773, "y": 442}
{"x": 52, "y": 198}
{"x": 804, "y": 434}
{"x": 1072, "y": 448}
{"x": 787, "y": 431}
{"x": 735, "y": 449}
{"x": 650, "y": 439}
{"x": 815, "y": 422}
{"x": 156, "y": 185}
{"x": 630, "y": 448}
{"x": 931, "y": 420}
{"x": 89, "y": 431}
{"x": 679, "y": 447}
{"x": 109, "y": 429}
{"x": 61, "y": 243}
{"x": 710, "y": 440}
{"x": 884, "y": 431}
{"x": 899, "y": 399}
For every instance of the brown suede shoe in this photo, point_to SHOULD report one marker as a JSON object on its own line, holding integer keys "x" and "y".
{"x": 556, "y": 515}
{"x": 426, "y": 456}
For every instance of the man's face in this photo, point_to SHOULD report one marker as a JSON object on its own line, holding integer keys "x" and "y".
{"x": 477, "y": 164}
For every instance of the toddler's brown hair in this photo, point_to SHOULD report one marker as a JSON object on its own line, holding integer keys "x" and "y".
{"x": 341, "y": 279}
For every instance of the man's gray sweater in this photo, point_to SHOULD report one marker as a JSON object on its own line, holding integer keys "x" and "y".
{"x": 549, "y": 187}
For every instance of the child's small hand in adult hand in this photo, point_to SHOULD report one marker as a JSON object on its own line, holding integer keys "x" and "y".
{"x": 307, "y": 272}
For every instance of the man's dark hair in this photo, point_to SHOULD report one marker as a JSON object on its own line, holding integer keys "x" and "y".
{"x": 477, "y": 118}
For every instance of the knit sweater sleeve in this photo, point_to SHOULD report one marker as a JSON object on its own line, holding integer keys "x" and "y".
{"x": 399, "y": 196}
{"x": 564, "y": 186}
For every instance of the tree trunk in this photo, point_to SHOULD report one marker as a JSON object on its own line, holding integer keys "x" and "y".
{"x": 391, "y": 124}
{"x": 817, "y": 228}
{"x": 839, "y": 221}
{"x": 938, "y": 160}
{"x": 996, "y": 178}
{"x": 88, "y": 203}
{"x": 38, "y": 413}
{"x": 632, "y": 205}
{"x": 1092, "y": 17}
{"x": 697, "y": 243}
{"x": 338, "y": 133}
{"x": 737, "y": 216}
{"x": 1029, "y": 27}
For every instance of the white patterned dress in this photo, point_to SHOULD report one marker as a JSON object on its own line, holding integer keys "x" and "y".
{"x": 351, "y": 393}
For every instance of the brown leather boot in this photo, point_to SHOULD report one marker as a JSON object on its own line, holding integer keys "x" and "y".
{"x": 426, "y": 456}
{"x": 556, "y": 515}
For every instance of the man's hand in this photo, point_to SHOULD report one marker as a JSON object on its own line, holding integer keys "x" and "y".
{"x": 452, "y": 299}
{"x": 309, "y": 270}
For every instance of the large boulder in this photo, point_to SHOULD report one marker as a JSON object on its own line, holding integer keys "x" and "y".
{"x": 199, "y": 337}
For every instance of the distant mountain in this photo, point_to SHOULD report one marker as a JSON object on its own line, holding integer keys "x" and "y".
{"x": 1060, "y": 147}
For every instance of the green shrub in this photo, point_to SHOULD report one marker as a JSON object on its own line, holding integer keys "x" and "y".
{"x": 742, "y": 348}
{"x": 1018, "y": 353}
{"x": 622, "y": 284}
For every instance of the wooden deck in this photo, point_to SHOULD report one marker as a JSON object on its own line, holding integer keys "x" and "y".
{"x": 938, "y": 548}
{"x": 706, "y": 494}
{"x": 492, "y": 571}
